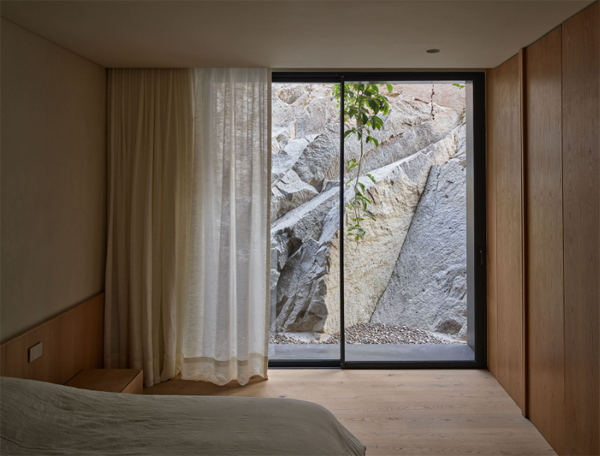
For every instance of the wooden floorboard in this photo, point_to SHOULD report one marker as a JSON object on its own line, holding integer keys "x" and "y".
{"x": 400, "y": 412}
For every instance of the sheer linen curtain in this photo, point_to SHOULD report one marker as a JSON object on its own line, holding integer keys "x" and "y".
{"x": 227, "y": 319}
{"x": 187, "y": 260}
{"x": 150, "y": 153}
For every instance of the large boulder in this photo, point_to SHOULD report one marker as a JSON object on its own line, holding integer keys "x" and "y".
{"x": 299, "y": 263}
{"x": 428, "y": 288}
{"x": 288, "y": 193}
{"x": 446, "y": 95}
{"x": 307, "y": 292}
{"x": 369, "y": 263}
{"x": 305, "y": 138}
{"x": 305, "y": 200}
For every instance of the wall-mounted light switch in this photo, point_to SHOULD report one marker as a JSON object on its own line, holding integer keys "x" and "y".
{"x": 35, "y": 352}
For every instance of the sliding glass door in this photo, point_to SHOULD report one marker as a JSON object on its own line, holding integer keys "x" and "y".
{"x": 378, "y": 221}
{"x": 305, "y": 170}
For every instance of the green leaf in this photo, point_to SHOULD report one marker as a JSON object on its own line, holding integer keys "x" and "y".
{"x": 372, "y": 178}
{"x": 374, "y": 105}
{"x": 390, "y": 88}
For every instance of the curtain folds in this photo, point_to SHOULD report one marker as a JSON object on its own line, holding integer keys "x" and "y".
{"x": 186, "y": 287}
{"x": 150, "y": 149}
{"x": 227, "y": 327}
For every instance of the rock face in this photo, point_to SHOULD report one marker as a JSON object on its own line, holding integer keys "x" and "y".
{"x": 305, "y": 208}
{"x": 429, "y": 285}
{"x": 368, "y": 264}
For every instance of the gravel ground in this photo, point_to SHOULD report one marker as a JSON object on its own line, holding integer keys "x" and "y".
{"x": 370, "y": 333}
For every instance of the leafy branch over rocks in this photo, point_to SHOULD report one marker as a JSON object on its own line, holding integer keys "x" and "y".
{"x": 363, "y": 105}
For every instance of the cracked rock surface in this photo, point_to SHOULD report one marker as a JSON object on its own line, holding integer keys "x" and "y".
{"x": 409, "y": 271}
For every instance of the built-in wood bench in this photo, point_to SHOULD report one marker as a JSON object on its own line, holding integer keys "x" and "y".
{"x": 110, "y": 380}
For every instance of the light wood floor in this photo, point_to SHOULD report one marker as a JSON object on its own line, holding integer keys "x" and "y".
{"x": 400, "y": 412}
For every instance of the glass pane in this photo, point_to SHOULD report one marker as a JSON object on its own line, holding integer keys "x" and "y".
{"x": 405, "y": 249}
{"x": 305, "y": 306}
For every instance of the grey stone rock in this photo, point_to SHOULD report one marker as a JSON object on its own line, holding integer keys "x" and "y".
{"x": 320, "y": 159}
{"x": 289, "y": 193}
{"x": 369, "y": 264}
{"x": 428, "y": 287}
{"x": 308, "y": 287}
{"x": 305, "y": 207}
{"x": 301, "y": 290}
{"x": 446, "y": 95}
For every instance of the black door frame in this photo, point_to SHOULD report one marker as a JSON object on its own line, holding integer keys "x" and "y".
{"x": 476, "y": 215}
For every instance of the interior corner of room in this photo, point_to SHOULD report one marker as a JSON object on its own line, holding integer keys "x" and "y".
{"x": 535, "y": 389}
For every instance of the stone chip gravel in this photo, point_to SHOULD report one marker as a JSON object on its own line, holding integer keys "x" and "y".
{"x": 370, "y": 333}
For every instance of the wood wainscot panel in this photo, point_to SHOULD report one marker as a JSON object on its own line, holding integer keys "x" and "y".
{"x": 71, "y": 341}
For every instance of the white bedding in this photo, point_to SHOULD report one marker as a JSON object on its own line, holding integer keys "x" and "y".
{"x": 46, "y": 419}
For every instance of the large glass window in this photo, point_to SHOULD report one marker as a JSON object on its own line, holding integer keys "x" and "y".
{"x": 376, "y": 247}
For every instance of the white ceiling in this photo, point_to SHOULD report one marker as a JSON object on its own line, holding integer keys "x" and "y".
{"x": 300, "y": 34}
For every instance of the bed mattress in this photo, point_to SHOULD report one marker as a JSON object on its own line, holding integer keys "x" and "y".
{"x": 46, "y": 419}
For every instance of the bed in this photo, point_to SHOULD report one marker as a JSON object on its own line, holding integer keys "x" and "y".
{"x": 41, "y": 418}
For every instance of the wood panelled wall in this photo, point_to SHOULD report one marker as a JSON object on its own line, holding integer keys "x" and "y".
{"x": 71, "y": 342}
{"x": 543, "y": 187}
{"x": 544, "y": 235}
{"x": 505, "y": 275}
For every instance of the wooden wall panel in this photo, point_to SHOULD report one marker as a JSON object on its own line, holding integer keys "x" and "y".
{"x": 581, "y": 190}
{"x": 544, "y": 237}
{"x": 560, "y": 312}
{"x": 492, "y": 309}
{"x": 72, "y": 341}
{"x": 505, "y": 147}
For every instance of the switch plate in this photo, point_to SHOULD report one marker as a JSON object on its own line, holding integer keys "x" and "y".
{"x": 35, "y": 352}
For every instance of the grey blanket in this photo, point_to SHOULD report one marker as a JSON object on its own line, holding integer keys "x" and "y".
{"x": 46, "y": 419}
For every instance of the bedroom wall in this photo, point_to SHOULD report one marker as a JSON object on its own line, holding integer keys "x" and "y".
{"x": 505, "y": 228}
{"x": 53, "y": 179}
{"x": 544, "y": 116}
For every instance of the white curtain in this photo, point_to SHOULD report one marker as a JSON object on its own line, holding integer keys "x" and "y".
{"x": 186, "y": 274}
{"x": 227, "y": 318}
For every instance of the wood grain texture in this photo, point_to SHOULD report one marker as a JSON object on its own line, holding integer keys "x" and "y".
{"x": 492, "y": 294}
{"x": 400, "y": 412}
{"x": 581, "y": 193}
{"x": 523, "y": 132}
{"x": 72, "y": 341}
{"x": 136, "y": 386}
{"x": 109, "y": 380}
{"x": 544, "y": 237}
{"x": 505, "y": 148}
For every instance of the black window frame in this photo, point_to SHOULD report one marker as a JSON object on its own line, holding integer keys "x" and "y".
{"x": 476, "y": 215}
